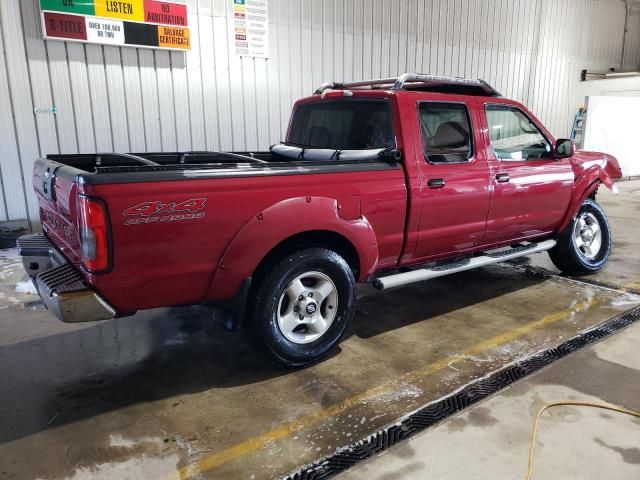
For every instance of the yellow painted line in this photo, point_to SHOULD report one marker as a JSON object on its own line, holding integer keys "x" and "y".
{"x": 214, "y": 460}
{"x": 632, "y": 286}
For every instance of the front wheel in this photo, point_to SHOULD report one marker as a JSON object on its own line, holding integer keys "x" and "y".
{"x": 585, "y": 245}
{"x": 303, "y": 306}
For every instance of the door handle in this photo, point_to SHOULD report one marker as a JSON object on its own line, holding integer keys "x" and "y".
{"x": 502, "y": 177}
{"x": 435, "y": 182}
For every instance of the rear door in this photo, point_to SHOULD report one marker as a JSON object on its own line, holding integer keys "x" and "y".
{"x": 531, "y": 189}
{"x": 454, "y": 176}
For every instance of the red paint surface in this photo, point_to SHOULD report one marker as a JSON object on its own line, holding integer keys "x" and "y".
{"x": 65, "y": 26}
{"x": 390, "y": 217}
{"x": 165, "y": 13}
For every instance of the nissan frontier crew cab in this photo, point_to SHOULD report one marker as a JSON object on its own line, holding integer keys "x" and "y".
{"x": 389, "y": 181}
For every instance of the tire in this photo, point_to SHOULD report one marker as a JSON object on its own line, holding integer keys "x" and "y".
{"x": 313, "y": 290}
{"x": 585, "y": 245}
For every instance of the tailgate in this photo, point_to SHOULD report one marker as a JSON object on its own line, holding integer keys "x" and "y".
{"x": 57, "y": 193}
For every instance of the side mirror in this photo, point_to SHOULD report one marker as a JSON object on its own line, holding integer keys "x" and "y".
{"x": 565, "y": 148}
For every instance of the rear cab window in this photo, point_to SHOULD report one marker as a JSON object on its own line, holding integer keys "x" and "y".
{"x": 446, "y": 132}
{"x": 345, "y": 124}
{"x": 514, "y": 136}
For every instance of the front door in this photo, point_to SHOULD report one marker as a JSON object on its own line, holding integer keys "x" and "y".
{"x": 454, "y": 177}
{"x": 531, "y": 189}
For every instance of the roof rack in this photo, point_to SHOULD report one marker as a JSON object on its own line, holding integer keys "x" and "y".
{"x": 415, "y": 81}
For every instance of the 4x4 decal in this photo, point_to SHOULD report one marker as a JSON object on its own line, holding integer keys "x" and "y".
{"x": 158, "y": 211}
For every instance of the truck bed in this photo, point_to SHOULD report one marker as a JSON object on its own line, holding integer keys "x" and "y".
{"x": 279, "y": 155}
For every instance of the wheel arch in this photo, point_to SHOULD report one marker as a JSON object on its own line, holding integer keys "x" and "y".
{"x": 293, "y": 223}
{"x": 584, "y": 187}
{"x": 310, "y": 239}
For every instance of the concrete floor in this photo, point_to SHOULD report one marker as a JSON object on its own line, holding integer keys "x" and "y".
{"x": 168, "y": 393}
{"x": 492, "y": 439}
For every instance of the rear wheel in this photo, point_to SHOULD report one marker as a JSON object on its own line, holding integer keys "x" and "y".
{"x": 303, "y": 306}
{"x": 585, "y": 245}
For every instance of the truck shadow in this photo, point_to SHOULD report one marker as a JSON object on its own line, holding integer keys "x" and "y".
{"x": 83, "y": 372}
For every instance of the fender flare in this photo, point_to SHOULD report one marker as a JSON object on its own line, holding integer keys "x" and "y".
{"x": 270, "y": 227}
{"x": 583, "y": 187}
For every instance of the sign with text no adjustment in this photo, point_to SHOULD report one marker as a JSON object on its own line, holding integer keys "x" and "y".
{"x": 136, "y": 23}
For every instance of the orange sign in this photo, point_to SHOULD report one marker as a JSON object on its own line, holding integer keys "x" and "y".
{"x": 174, "y": 37}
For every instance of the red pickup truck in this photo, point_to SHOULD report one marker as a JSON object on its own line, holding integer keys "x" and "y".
{"x": 389, "y": 181}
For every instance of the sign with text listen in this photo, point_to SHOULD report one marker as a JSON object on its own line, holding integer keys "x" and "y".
{"x": 135, "y": 23}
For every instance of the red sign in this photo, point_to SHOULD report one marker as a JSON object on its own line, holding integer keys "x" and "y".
{"x": 165, "y": 13}
{"x": 65, "y": 26}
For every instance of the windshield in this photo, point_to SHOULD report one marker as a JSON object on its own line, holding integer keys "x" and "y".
{"x": 343, "y": 125}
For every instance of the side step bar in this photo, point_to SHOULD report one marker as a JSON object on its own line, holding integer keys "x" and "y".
{"x": 488, "y": 258}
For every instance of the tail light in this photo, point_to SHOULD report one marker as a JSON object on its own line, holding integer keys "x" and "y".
{"x": 94, "y": 234}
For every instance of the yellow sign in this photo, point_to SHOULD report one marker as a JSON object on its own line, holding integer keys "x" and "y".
{"x": 122, "y": 9}
{"x": 174, "y": 37}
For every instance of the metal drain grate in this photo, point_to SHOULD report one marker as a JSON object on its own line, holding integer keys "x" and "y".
{"x": 439, "y": 410}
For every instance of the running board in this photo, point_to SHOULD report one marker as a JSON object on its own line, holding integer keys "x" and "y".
{"x": 489, "y": 258}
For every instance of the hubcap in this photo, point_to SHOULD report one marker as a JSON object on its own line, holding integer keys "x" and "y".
{"x": 587, "y": 235}
{"x": 307, "y": 307}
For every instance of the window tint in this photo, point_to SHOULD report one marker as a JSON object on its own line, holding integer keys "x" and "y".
{"x": 346, "y": 125}
{"x": 446, "y": 132}
{"x": 514, "y": 136}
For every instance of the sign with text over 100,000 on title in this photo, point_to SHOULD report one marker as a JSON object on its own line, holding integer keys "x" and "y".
{"x": 251, "y": 28}
{"x": 135, "y": 23}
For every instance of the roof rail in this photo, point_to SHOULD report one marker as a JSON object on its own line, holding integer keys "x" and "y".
{"x": 409, "y": 80}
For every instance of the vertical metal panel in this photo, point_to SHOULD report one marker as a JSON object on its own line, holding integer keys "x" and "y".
{"x": 111, "y": 98}
{"x": 249, "y": 110}
{"x": 209, "y": 80}
{"x": 132, "y": 91}
{"x": 222, "y": 78}
{"x": 15, "y": 171}
{"x": 61, "y": 95}
{"x": 195, "y": 83}
{"x": 10, "y": 167}
{"x": 274, "y": 91}
{"x": 181, "y": 100}
{"x": 114, "y": 82}
{"x": 79, "y": 85}
{"x": 39, "y": 73}
{"x": 263, "y": 112}
{"x": 166, "y": 101}
{"x": 99, "y": 98}
{"x": 150, "y": 107}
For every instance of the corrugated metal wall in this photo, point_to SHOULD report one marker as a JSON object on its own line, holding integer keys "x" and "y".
{"x": 126, "y": 99}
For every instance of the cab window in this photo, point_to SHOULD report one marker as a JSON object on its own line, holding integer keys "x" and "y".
{"x": 343, "y": 125}
{"x": 446, "y": 132}
{"x": 514, "y": 136}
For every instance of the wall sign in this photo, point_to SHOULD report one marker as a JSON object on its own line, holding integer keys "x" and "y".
{"x": 136, "y": 23}
{"x": 251, "y": 28}
{"x": 45, "y": 110}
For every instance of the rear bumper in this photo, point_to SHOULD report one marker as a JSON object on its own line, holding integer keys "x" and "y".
{"x": 60, "y": 286}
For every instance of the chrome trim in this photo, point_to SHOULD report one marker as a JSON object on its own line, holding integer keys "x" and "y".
{"x": 405, "y": 278}
{"x": 39, "y": 257}
{"x": 76, "y": 307}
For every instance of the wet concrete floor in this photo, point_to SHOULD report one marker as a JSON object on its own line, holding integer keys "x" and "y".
{"x": 169, "y": 394}
{"x": 492, "y": 438}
